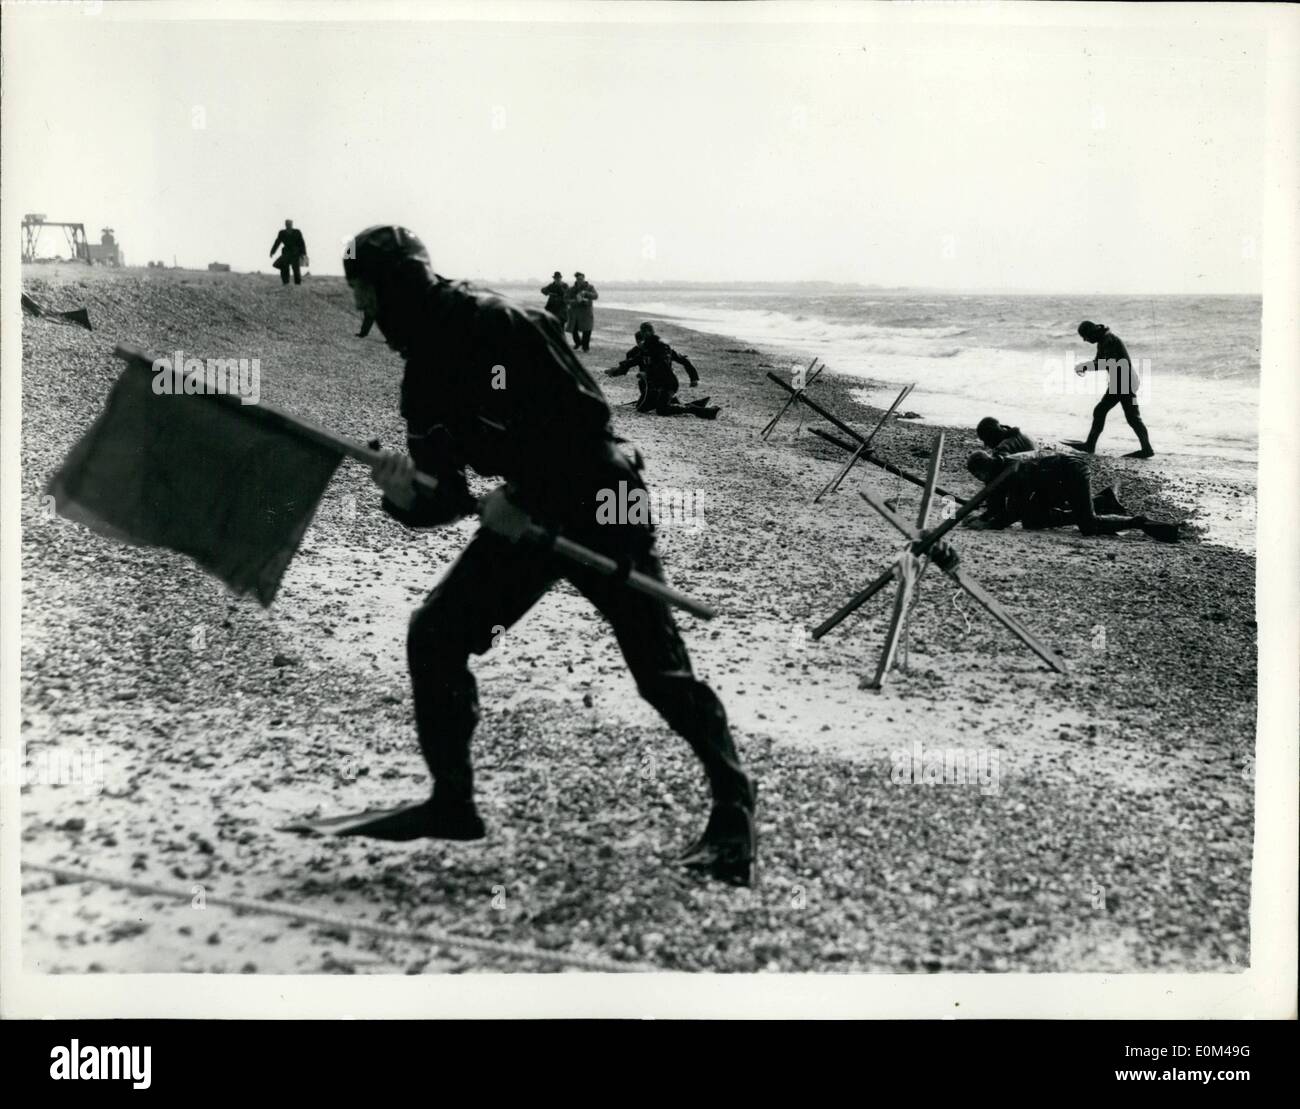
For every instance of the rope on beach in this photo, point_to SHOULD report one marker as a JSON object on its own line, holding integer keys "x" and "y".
{"x": 431, "y": 939}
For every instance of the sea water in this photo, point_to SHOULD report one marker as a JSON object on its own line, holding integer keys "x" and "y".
{"x": 1012, "y": 356}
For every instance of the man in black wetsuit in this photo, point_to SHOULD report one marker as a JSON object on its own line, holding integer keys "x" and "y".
{"x": 1053, "y": 491}
{"x": 293, "y": 255}
{"x": 493, "y": 386}
{"x": 631, "y": 360}
{"x": 1001, "y": 439}
{"x": 654, "y": 360}
{"x": 1122, "y": 387}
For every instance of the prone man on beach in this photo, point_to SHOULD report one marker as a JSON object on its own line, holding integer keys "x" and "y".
{"x": 491, "y": 385}
{"x": 657, "y": 384}
{"x": 1051, "y": 491}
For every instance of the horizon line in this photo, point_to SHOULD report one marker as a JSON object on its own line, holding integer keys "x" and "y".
{"x": 725, "y": 283}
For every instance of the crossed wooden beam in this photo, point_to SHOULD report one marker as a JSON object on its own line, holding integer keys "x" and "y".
{"x": 926, "y": 546}
{"x": 809, "y": 378}
{"x": 863, "y": 448}
{"x": 859, "y": 446}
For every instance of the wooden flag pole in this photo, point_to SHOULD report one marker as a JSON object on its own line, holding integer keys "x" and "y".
{"x": 925, "y": 546}
{"x": 565, "y": 548}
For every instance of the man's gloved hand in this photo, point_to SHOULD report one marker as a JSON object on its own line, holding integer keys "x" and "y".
{"x": 501, "y": 515}
{"x": 944, "y": 556}
{"x": 395, "y": 474}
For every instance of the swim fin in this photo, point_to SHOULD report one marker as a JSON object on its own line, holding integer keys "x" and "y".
{"x": 728, "y": 849}
{"x": 406, "y": 822}
{"x": 76, "y": 315}
{"x": 1166, "y": 533}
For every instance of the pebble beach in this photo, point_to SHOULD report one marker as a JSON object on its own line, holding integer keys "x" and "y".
{"x": 1109, "y": 828}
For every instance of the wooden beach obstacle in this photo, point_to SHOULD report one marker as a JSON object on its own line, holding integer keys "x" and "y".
{"x": 809, "y": 377}
{"x": 923, "y": 547}
{"x": 856, "y": 446}
{"x": 888, "y": 467}
{"x": 864, "y": 447}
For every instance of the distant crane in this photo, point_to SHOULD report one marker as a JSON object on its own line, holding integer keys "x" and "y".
{"x": 106, "y": 250}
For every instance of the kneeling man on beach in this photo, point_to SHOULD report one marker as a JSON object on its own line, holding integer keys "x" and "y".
{"x": 656, "y": 381}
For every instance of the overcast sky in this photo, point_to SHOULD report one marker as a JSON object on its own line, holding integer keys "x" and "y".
{"x": 976, "y": 158}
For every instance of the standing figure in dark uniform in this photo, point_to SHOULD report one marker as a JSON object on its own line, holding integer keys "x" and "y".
{"x": 1001, "y": 439}
{"x": 582, "y": 316}
{"x": 1121, "y": 388}
{"x": 557, "y": 297}
{"x": 658, "y": 384}
{"x": 493, "y": 386}
{"x": 293, "y": 255}
{"x": 1054, "y": 491}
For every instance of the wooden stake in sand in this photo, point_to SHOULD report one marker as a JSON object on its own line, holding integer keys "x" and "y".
{"x": 923, "y": 548}
{"x": 809, "y": 378}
